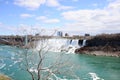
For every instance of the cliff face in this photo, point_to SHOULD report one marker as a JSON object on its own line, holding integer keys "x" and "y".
{"x": 80, "y": 42}
{"x": 103, "y": 42}
{"x": 14, "y": 40}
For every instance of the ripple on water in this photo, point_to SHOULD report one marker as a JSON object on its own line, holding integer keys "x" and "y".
{"x": 2, "y": 64}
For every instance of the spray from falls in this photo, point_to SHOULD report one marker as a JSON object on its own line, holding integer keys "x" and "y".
{"x": 60, "y": 45}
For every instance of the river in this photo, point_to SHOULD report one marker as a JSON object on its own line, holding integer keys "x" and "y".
{"x": 85, "y": 67}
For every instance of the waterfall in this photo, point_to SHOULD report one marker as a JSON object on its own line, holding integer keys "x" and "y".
{"x": 84, "y": 43}
{"x": 70, "y": 41}
{"x": 26, "y": 39}
{"x": 59, "y": 45}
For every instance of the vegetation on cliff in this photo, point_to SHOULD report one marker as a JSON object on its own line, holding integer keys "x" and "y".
{"x": 104, "y": 42}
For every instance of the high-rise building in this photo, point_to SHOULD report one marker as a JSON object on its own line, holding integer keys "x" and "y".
{"x": 60, "y": 33}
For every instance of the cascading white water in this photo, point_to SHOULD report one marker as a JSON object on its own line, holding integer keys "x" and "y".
{"x": 84, "y": 43}
{"x": 59, "y": 45}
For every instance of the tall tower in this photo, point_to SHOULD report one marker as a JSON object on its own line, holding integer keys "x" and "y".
{"x": 60, "y": 33}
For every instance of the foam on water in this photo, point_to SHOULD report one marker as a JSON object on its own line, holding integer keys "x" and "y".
{"x": 47, "y": 70}
{"x": 33, "y": 70}
{"x": 2, "y": 64}
{"x": 53, "y": 75}
{"x": 95, "y": 77}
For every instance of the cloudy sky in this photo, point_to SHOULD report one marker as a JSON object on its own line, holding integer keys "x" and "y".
{"x": 72, "y": 16}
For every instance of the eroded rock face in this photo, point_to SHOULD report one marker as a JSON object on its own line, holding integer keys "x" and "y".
{"x": 106, "y": 43}
{"x": 103, "y": 40}
{"x": 80, "y": 42}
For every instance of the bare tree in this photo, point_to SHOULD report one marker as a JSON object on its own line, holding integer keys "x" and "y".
{"x": 40, "y": 66}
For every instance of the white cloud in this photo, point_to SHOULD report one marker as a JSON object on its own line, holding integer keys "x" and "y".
{"x": 0, "y": 23}
{"x": 30, "y": 4}
{"x": 65, "y": 7}
{"x": 26, "y": 15}
{"x": 114, "y": 5}
{"x": 52, "y": 3}
{"x": 46, "y": 20}
{"x": 55, "y": 3}
{"x": 7, "y": 30}
{"x": 27, "y": 29}
{"x": 41, "y": 18}
{"x": 94, "y": 21}
{"x": 52, "y": 21}
{"x": 35, "y": 4}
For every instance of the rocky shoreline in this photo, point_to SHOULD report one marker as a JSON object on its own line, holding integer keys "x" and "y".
{"x": 101, "y": 53}
{"x": 104, "y": 44}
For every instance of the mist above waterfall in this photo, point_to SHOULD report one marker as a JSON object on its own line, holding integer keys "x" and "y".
{"x": 60, "y": 45}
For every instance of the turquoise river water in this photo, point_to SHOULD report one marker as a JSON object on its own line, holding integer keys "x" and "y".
{"x": 85, "y": 67}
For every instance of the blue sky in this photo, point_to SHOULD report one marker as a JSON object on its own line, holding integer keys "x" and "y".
{"x": 71, "y": 16}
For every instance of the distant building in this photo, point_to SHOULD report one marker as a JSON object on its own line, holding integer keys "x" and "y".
{"x": 37, "y": 34}
{"x": 60, "y": 33}
{"x": 87, "y": 34}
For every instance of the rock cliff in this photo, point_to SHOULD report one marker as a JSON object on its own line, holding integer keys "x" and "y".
{"x": 107, "y": 43}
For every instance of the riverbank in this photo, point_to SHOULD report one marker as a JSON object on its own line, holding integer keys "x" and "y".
{"x": 4, "y": 77}
{"x": 102, "y": 53}
{"x": 99, "y": 51}
{"x": 104, "y": 44}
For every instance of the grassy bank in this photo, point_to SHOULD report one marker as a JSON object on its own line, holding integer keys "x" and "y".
{"x": 4, "y": 77}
